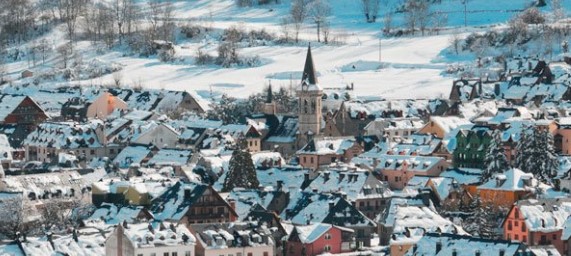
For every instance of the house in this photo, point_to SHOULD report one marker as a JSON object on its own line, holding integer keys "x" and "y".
{"x": 439, "y": 126}
{"x": 319, "y": 238}
{"x": 507, "y": 188}
{"x": 98, "y": 107}
{"x": 406, "y": 221}
{"x": 471, "y": 147}
{"x": 158, "y": 238}
{"x": 265, "y": 160}
{"x": 135, "y": 191}
{"x": 111, "y": 214}
{"x": 356, "y": 185}
{"x": 397, "y": 170}
{"x": 468, "y": 179}
{"x": 191, "y": 203}
{"x": 20, "y": 110}
{"x": 162, "y": 101}
{"x": 538, "y": 222}
{"x": 68, "y": 185}
{"x": 354, "y": 115}
{"x": 326, "y": 150}
{"x": 441, "y": 244}
{"x": 135, "y": 155}
{"x": 26, "y": 73}
{"x": 237, "y": 238}
{"x": 170, "y": 157}
{"x": 314, "y": 207}
{"x": 466, "y": 90}
{"x": 283, "y": 138}
{"x": 563, "y": 135}
{"x": 85, "y": 140}
{"x": 160, "y": 135}
{"x": 394, "y": 129}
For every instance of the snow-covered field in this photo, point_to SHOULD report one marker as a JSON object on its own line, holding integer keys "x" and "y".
{"x": 410, "y": 67}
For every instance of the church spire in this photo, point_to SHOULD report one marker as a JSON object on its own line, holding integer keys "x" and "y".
{"x": 270, "y": 96}
{"x": 309, "y": 69}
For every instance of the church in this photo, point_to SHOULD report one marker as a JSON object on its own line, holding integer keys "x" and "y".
{"x": 289, "y": 133}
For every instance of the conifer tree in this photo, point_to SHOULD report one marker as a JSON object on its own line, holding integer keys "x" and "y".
{"x": 241, "y": 172}
{"x": 495, "y": 160}
{"x": 542, "y": 160}
{"x": 522, "y": 149}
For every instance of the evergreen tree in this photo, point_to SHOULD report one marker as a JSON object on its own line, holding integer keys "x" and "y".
{"x": 241, "y": 172}
{"x": 542, "y": 161}
{"x": 495, "y": 160}
{"x": 485, "y": 219}
{"x": 522, "y": 149}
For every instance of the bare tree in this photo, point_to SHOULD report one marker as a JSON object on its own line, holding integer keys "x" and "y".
{"x": 319, "y": 11}
{"x": 455, "y": 41}
{"x": 326, "y": 31}
{"x": 370, "y": 9}
{"x": 298, "y": 14}
{"x": 285, "y": 23}
{"x": 12, "y": 221}
{"x": 417, "y": 15}
{"x": 388, "y": 23}
{"x": 69, "y": 11}
{"x": 65, "y": 52}
{"x": 440, "y": 19}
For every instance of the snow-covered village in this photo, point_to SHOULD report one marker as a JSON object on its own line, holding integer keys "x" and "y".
{"x": 285, "y": 127}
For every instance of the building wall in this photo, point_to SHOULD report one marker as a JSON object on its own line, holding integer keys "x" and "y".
{"x": 504, "y": 198}
{"x": 211, "y": 208}
{"x": 254, "y": 144}
{"x": 161, "y": 136}
{"x": 398, "y": 178}
{"x": 44, "y": 154}
{"x": 318, "y": 246}
{"x": 515, "y": 229}
{"x": 262, "y": 250}
{"x": 27, "y": 112}
{"x": 565, "y": 141}
{"x": 118, "y": 244}
{"x": 432, "y": 128}
{"x": 105, "y": 105}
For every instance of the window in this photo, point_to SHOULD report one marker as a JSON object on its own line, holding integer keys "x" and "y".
{"x": 174, "y": 253}
{"x": 92, "y": 152}
{"x": 327, "y": 236}
{"x": 304, "y": 160}
{"x": 333, "y": 159}
{"x": 523, "y": 229}
{"x": 238, "y": 254}
{"x": 311, "y": 158}
{"x": 327, "y": 248}
{"x": 524, "y": 239}
{"x": 153, "y": 254}
{"x": 509, "y": 225}
{"x": 516, "y": 223}
{"x": 516, "y": 237}
{"x": 266, "y": 254}
{"x": 166, "y": 254}
{"x": 249, "y": 254}
{"x": 140, "y": 254}
{"x": 554, "y": 237}
{"x": 516, "y": 213}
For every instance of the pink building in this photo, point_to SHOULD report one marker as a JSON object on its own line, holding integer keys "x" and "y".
{"x": 319, "y": 238}
{"x": 397, "y": 170}
{"x": 326, "y": 150}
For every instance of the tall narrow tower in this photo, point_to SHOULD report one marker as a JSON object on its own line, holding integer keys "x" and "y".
{"x": 309, "y": 94}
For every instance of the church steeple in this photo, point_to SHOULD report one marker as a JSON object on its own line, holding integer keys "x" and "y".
{"x": 309, "y": 69}
{"x": 270, "y": 96}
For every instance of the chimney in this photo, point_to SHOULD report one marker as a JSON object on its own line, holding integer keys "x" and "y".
{"x": 187, "y": 193}
{"x": 341, "y": 176}
{"x": 497, "y": 89}
{"x": 306, "y": 176}
{"x": 280, "y": 184}
{"x": 326, "y": 176}
{"x": 502, "y": 252}
{"x": 438, "y": 247}
{"x": 331, "y": 204}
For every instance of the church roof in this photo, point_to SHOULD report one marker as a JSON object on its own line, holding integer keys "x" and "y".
{"x": 309, "y": 76}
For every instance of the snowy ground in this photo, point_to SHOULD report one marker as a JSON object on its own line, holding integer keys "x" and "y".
{"x": 411, "y": 67}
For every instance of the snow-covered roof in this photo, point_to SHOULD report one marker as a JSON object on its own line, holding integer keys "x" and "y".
{"x": 66, "y": 183}
{"x": 131, "y": 155}
{"x": 259, "y": 158}
{"x": 465, "y": 176}
{"x": 545, "y": 215}
{"x": 328, "y": 145}
{"x": 66, "y": 135}
{"x": 309, "y": 233}
{"x": 356, "y": 184}
{"x": 387, "y": 108}
{"x": 170, "y": 157}
{"x": 155, "y": 234}
{"x": 511, "y": 180}
{"x": 448, "y": 123}
{"x": 8, "y": 103}
{"x": 214, "y": 236}
{"x": 462, "y": 245}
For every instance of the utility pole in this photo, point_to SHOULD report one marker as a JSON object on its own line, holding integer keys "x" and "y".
{"x": 465, "y": 13}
